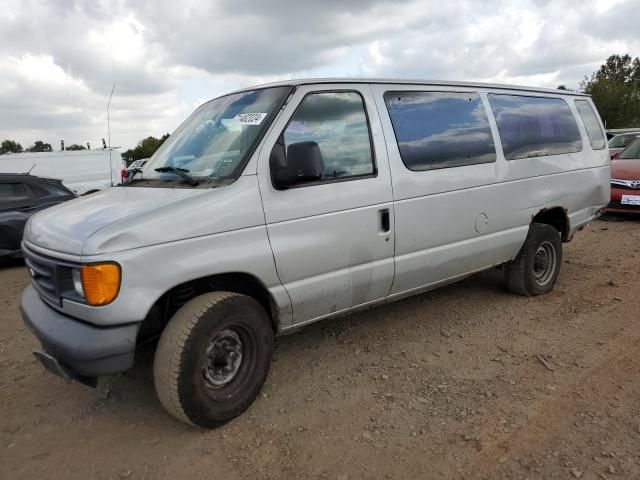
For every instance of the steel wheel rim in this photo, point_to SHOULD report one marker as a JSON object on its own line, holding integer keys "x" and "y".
{"x": 544, "y": 263}
{"x": 222, "y": 359}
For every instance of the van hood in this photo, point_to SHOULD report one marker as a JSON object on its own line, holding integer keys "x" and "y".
{"x": 122, "y": 218}
{"x": 626, "y": 169}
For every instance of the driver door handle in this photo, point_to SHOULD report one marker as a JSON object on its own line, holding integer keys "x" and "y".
{"x": 384, "y": 223}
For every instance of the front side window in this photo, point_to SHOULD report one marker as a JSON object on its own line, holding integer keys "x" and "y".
{"x": 440, "y": 129}
{"x": 591, "y": 125}
{"x": 327, "y": 139}
{"x": 13, "y": 192}
{"x": 215, "y": 141}
{"x": 534, "y": 126}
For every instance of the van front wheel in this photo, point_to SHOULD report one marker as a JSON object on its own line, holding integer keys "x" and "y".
{"x": 213, "y": 358}
{"x": 535, "y": 270}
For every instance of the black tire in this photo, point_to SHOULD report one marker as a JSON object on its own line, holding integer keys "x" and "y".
{"x": 197, "y": 374}
{"x": 535, "y": 270}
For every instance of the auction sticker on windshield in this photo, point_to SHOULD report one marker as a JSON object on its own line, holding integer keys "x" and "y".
{"x": 630, "y": 200}
{"x": 248, "y": 119}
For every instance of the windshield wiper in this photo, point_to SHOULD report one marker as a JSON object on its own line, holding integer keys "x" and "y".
{"x": 181, "y": 172}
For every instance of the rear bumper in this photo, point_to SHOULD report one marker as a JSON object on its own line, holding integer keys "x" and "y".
{"x": 84, "y": 350}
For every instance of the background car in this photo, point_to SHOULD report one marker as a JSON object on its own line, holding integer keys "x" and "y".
{"x": 619, "y": 142}
{"x": 625, "y": 180}
{"x": 22, "y": 195}
{"x": 134, "y": 167}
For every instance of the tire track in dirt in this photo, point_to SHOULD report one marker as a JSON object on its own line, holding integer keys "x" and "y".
{"x": 556, "y": 415}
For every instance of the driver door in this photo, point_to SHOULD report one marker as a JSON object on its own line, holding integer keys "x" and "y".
{"x": 331, "y": 228}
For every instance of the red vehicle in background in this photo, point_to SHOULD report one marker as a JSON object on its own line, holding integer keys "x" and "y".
{"x": 625, "y": 181}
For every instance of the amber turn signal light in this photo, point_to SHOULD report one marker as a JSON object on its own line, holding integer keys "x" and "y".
{"x": 100, "y": 282}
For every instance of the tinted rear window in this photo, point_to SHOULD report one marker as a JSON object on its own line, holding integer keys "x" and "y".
{"x": 534, "y": 126}
{"x": 591, "y": 124}
{"x": 440, "y": 129}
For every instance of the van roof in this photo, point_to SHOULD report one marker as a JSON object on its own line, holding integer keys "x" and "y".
{"x": 397, "y": 81}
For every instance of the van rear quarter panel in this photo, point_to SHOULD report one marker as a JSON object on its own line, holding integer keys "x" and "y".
{"x": 454, "y": 221}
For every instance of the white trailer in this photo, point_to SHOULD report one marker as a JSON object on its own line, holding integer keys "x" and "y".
{"x": 84, "y": 171}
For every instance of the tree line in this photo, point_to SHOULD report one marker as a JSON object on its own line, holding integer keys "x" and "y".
{"x": 144, "y": 148}
{"x": 11, "y": 146}
{"x": 614, "y": 88}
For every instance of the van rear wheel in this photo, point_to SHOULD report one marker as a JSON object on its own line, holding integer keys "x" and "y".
{"x": 535, "y": 270}
{"x": 213, "y": 358}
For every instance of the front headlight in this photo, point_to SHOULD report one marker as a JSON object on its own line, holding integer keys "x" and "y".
{"x": 99, "y": 282}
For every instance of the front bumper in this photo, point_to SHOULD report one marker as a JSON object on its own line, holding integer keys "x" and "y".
{"x": 81, "y": 349}
{"x": 616, "y": 205}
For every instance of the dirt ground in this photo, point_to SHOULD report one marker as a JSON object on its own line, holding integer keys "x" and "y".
{"x": 464, "y": 382}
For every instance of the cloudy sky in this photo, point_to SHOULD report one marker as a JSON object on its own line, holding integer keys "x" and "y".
{"x": 60, "y": 58}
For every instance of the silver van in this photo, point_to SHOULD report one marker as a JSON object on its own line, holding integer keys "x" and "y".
{"x": 276, "y": 206}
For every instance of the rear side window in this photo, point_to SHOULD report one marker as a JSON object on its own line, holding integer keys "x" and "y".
{"x": 440, "y": 129}
{"x": 534, "y": 126}
{"x": 57, "y": 190}
{"x": 13, "y": 192}
{"x": 591, "y": 124}
{"x": 336, "y": 123}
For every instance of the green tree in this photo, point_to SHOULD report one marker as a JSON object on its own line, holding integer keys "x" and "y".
{"x": 615, "y": 89}
{"x": 10, "y": 146}
{"x": 40, "y": 146}
{"x": 144, "y": 149}
{"x": 562, "y": 87}
{"x": 75, "y": 146}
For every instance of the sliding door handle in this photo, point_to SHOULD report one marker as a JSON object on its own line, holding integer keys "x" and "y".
{"x": 384, "y": 224}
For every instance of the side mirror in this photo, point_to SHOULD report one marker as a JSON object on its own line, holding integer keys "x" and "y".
{"x": 278, "y": 166}
{"x": 302, "y": 163}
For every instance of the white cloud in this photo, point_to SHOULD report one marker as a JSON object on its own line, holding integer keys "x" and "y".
{"x": 59, "y": 58}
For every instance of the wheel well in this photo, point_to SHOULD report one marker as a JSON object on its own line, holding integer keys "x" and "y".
{"x": 557, "y": 218}
{"x": 164, "y": 308}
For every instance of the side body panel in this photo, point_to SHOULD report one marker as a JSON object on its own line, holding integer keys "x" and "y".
{"x": 455, "y": 221}
{"x": 326, "y": 238}
{"x": 206, "y": 233}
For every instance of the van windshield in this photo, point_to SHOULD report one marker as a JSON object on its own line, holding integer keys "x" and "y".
{"x": 621, "y": 141}
{"x": 213, "y": 143}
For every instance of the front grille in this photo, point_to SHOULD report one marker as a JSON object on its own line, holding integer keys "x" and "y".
{"x": 50, "y": 277}
{"x": 626, "y": 184}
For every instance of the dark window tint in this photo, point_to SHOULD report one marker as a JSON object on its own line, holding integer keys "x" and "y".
{"x": 12, "y": 192}
{"x": 535, "y": 126}
{"x": 337, "y": 123}
{"x": 440, "y": 129}
{"x": 591, "y": 124}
